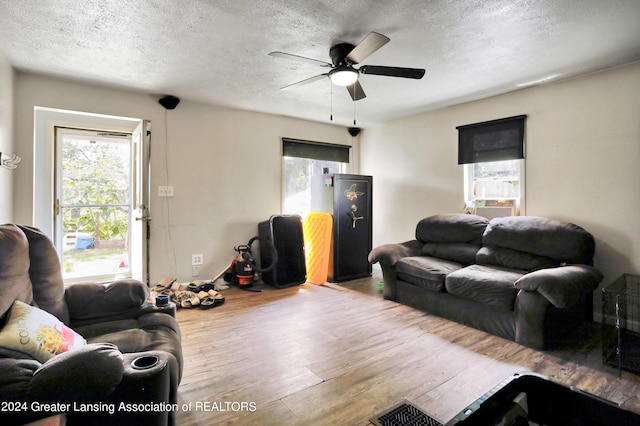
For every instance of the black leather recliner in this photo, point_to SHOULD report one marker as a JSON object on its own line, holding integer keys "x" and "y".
{"x": 127, "y": 372}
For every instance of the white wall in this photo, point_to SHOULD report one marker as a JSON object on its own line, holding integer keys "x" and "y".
{"x": 224, "y": 165}
{"x": 583, "y": 146}
{"x": 6, "y": 138}
{"x": 582, "y": 162}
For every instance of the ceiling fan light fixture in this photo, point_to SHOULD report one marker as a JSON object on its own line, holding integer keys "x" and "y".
{"x": 343, "y": 76}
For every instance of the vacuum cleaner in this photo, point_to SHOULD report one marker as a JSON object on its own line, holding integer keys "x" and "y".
{"x": 243, "y": 267}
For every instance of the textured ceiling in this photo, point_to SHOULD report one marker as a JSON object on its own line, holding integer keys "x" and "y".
{"x": 216, "y": 51}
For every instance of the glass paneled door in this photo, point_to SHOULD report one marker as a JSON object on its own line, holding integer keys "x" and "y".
{"x": 98, "y": 193}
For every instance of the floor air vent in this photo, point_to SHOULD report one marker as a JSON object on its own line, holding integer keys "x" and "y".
{"x": 404, "y": 414}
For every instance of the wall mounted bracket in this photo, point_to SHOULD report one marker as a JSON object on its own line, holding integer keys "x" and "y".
{"x": 9, "y": 161}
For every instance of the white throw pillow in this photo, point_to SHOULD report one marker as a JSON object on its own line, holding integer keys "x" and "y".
{"x": 37, "y": 333}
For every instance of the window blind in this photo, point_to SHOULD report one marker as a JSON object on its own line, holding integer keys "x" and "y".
{"x": 315, "y": 150}
{"x": 495, "y": 140}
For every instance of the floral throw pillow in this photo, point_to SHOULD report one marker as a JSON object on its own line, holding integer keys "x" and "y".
{"x": 37, "y": 333}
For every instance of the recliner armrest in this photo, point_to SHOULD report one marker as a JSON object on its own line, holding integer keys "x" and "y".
{"x": 97, "y": 301}
{"x": 89, "y": 373}
{"x": 389, "y": 254}
{"x": 563, "y": 285}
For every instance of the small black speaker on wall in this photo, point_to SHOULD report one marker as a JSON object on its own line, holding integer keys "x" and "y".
{"x": 285, "y": 232}
{"x": 169, "y": 102}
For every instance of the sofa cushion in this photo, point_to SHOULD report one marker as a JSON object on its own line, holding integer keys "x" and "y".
{"x": 150, "y": 332}
{"x": 513, "y": 259}
{"x": 451, "y": 228}
{"x": 153, "y": 331}
{"x": 424, "y": 271}
{"x": 464, "y": 253}
{"x": 558, "y": 240}
{"x": 488, "y": 285}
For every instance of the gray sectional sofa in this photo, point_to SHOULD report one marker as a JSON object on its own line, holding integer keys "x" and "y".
{"x": 524, "y": 278}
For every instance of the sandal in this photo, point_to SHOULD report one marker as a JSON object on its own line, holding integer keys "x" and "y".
{"x": 191, "y": 300}
{"x": 215, "y": 294}
{"x": 185, "y": 299}
{"x": 199, "y": 285}
{"x": 210, "y": 299}
{"x": 169, "y": 284}
{"x": 211, "y": 302}
{"x": 202, "y": 295}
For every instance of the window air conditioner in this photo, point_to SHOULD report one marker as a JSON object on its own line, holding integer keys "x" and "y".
{"x": 494, "y": 211}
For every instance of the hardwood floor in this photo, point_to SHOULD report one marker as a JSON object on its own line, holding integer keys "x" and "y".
{"x": 338, "y": 354}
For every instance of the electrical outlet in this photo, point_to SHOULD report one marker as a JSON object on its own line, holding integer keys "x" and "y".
{"x": 195, "y": 270}
{"x": 197, "y": 259}
{"x": 165, "y": 191}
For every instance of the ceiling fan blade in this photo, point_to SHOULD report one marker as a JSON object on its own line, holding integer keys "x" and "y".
{"x": 356, "y": 91}
{"x": 416, "y": 73}
{"x": 300, "y": 59}
{"x": 304, "y": 82}
{"x": 372, "y": 42}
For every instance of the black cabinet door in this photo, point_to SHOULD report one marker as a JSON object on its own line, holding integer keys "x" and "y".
{"x": 352, "y": 227}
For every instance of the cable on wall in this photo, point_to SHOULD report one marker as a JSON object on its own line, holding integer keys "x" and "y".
{"x": 168, "y": 102}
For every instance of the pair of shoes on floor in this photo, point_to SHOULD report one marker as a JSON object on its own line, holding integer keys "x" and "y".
{"x": 204, "y": 299}
{"x": 199, "y": 285}
{"x": 210, "y": 299}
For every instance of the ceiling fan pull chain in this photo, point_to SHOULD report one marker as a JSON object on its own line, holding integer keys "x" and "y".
{"x": 331, "y": 103}
{"x": 354, "y": 105}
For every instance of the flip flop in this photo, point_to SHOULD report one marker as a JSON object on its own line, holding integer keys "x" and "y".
{"x": 168, "y": 284}
{"x": 211, "y": 302}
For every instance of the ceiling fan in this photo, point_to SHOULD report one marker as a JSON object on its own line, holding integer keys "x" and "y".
{"x": 342, "y": 71}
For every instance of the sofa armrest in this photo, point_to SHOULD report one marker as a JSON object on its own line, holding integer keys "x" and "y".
{"x": 89, "y": 373}
{"x": 102, "y": 301}
{"x": 389, "y": 254}
{"x": 562, "y": 286}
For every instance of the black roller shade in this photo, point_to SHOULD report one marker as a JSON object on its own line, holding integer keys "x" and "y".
{"x": 495, "y": 140}
{"x": 315, "y": 150}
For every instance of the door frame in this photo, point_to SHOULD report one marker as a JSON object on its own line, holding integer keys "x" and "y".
{"x": 45, "y": 121}
{"x": 139, "y": 230}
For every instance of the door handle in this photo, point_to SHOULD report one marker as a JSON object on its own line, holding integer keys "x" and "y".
{"x": 354, "y": 218}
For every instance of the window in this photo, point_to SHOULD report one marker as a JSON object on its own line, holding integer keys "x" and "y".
{"x": 301, "y": 160}
{"x": 494, "y": 185}
{"x": 492, "y": 153}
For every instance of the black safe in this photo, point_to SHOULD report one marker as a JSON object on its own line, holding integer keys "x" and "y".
{"x": 348, "y": 199}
